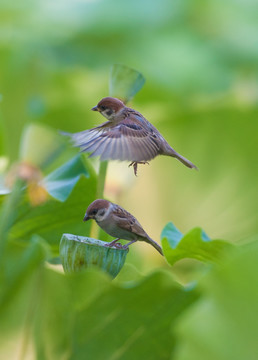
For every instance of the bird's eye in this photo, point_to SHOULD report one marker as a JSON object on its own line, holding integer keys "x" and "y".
{"x": 102, "y": 107}
{"x": 94, "y": 212}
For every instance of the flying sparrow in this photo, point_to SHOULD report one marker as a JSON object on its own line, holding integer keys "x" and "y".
{"x": 119, "y": 223}
{"x": 126, "y": 136}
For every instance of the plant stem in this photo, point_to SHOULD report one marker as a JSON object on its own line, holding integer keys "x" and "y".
{"x": 94, "y": 231}
{"x": 9, "y": 213}
{"x": 102, "y": 178}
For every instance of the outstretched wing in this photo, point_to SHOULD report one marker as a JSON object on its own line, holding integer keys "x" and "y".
{"x": 126, "y": 140}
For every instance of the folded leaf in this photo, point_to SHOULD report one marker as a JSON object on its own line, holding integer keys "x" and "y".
{"x": 125, "y": 82}
{"x": 195, "y": 244}
{"x": 61, "y": 182}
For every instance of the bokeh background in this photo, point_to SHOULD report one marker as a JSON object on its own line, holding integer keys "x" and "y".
{"x": 200, "y": 61}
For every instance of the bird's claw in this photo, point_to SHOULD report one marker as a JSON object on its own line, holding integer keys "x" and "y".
{"x": 135, "y": 164}
{"x": 116, "y": 245}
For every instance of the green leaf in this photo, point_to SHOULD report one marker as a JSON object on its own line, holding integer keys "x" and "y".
{"x": 125, "y": 82}
{"x": 129, "y": 323}
{"x": 195, "y": 244}
{"x": 20, "y": 290}
{"x": 53, "y": 218}
{"x": 18, "y": 269}
{"x": 144, "y": 318}
{"x": 68, "y": 316}
{"x": 61, "y": 182}
{"x": 172, "y": 234}
{"x": 129, "y": 275}
{"x": 223, "y": 324}
{"x": 60, "y": 299}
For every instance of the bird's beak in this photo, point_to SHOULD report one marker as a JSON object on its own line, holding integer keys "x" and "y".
{"x": 86, "y": 217}
{"x": 95, "y": 108}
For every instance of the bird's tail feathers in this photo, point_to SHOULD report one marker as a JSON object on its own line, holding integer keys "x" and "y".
{"x": 181, "y": 158}
{"x": 155, "y": 245}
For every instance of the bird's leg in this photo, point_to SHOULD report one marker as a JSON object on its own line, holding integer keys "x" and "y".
{"x": 131, "y": 242}
{"x": 113, "y": 243}
{"x": 135, "y": 164}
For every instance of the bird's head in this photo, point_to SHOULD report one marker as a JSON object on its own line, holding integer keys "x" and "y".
{"x": 98, "y": 210}
{"x": 109, "y": 107}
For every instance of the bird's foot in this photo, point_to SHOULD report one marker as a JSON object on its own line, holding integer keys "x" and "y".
{"x": 114, "y": 243}
{"x": 135, "y": 164}
{"x": 118, "y": 246}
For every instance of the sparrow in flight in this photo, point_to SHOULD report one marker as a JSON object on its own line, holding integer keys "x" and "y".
{"x": 119, "y": 223}
{"x": 126, "y": 136}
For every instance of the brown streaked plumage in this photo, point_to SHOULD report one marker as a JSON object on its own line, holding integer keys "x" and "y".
{"x": 126, "y": 136}
{"x": 118, "y": 222}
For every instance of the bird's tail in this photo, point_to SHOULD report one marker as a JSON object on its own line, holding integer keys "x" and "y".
{"x": 155, "y": 245}
{"x": 183, "y": 160}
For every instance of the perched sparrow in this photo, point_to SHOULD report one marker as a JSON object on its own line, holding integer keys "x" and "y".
{"x": 117, "y": 222}
{"x": 126, "y": 136}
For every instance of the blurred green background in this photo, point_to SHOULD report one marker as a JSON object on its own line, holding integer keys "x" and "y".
{"x": 200, "y": 61}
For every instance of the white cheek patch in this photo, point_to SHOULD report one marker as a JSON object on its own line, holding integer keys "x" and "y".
{"x": 100, "y": 218}
{"x": 108, "y": 114}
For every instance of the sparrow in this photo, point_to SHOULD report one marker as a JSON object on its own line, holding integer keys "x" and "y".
{"x": 126, "y": 136}
{"x": 119, "y": 223}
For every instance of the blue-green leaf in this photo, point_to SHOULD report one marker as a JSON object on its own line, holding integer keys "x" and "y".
{"x": 195, "y": 244}
{"x": 61, "y": 182}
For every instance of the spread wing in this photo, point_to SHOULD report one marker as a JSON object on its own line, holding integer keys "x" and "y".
{"x": 126, "y": 221}
{"x": 129, "y": 139}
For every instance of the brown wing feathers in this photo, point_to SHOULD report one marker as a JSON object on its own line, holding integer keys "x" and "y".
{"x": 128, "y": 222}
{"x": 124, "y": 141}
